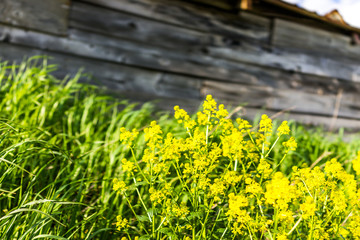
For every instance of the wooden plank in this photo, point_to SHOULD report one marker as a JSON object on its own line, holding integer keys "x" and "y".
{"x": 229, "y": 5}
{"x": 113, "y": 23}
{"x": 46, "y": 16}
{"x": 316, "y": 41}
{"x": 235, "y": 67}
{"x": 121, "y": 78}
{"x": 253, "y": 53}
{"x": 297, "y": 61}
{"x": 194, "y": 16}
{"x": 146, "y": 56}
{"x": 126, "y": 52}
{"x": 279, "y": 99}
{"x": 313, "y": 120}
{"x": 127, "y": 81}
{"x": 278, "y": 79}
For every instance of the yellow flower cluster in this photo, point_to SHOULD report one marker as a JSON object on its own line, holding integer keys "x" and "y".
{"x": 220, "y": 175}
{"x": 127, "y": 137}
{"x": 119, "y": 186}
{"x": 121, "y": 223}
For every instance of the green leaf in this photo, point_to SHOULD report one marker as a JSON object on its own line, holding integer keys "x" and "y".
{"x": 195, "y": 215}
{"x": 49, "y": 236}
{"x": 142, "y": 218}
{"x": 168, "y": 232}
{"x": 145, "y": 237}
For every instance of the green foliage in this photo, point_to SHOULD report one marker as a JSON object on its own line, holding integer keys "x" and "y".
{"x": 60, "y": 150}
{"x": 59, "y": 147}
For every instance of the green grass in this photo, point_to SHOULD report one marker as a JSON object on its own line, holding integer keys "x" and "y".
{"x": 60, "y": 149}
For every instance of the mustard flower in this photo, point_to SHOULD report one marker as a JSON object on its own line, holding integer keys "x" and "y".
{"x": 127, "y": 137}
{"x": 283, "y": 129}
{"x": 127, "y": 166}
{"x": 265, "y": 125}
{"x": 222, "y": 112}
{"x": 356, "y": 164}
{"x": 119, "y": 186}
{"x": 182, "y": 116}
{"x": 217, "y": 189}
{"x": 157, "y": 196}
{"x": 252, "y": 186}
{"x": 282, "y": 236}
{"x": 290, "y": 145}
{"x": 308, "y": 208}
{"x": 209, "y": 105}
{"x": 153, "y": 135}
{"x": 279, "y": 192}
{"x": 121, "y": 223}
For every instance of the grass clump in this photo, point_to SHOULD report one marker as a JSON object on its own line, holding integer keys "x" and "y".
{"x": 58, "y": 147}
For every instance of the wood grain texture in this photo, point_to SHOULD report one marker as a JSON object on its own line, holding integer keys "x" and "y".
{"x": 97, "y": 46}
{"x": 278, "y": 99}
{"x": 119, "y": 77}
{"x": 46, "y": 16}
{"x": 200, "y": 51}
{"x": 125, "y": 52}
{"x": 118, "y": 24}
{"x": 287, "y": 59}
{"x": 316, "y": 41}
{"x": 314, "y": 120}
{"x": 230, "y": 26}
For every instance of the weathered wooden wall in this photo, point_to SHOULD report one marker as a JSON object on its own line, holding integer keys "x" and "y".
{"x": 179, "y": 51}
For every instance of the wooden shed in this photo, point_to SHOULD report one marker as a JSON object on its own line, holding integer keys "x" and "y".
{"x": 267, "y": 55}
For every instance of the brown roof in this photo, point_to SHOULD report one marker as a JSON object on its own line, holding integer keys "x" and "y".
{"x": 281, "y": 9}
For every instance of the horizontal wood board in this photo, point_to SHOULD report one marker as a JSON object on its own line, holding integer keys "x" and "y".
{"x": 149, "y": 49}
{"x": 208, "y": 47}
{"x": 196, "y": 17}
{"x": 291, "y": 35}
{"x": 42, "y": 15}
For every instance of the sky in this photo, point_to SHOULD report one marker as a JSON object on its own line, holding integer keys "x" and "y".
{"x": 349, "y": 9}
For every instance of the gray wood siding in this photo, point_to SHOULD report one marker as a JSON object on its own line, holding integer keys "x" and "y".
{"x": 179, "y": 51}
{"x": 42, "y": 15}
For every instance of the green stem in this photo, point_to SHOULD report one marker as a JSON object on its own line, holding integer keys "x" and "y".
{"x": 217, "y": 217}
{"x": 137, "y": 165}
{"x": 294, "y": 227}
{"x": 207, "y": 129}
{"x": 132, "y": 209}
{"x": 267, "y": 154}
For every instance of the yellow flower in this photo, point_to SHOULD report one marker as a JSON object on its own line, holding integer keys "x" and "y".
{"x": 282, "y": 237}
{"x": 202, "y": 118}
{"x": 209, "y": 105}
{"x": 127, "y": 166}
{"x": 356, "y": 164}
{"x": 253, "y": 187}
{"x": 279, "y": 191}
{"x": 283, "y": 129}
{"x": 182, "y": 117}
{"x": 217, "y": 188}
{"x": 237, "y": 203}
{"x": 157, "y": 196}
{"x": 308, "y": 208}
{"x": 265, "y": 125}
{"x": 180, "y": 211}
{"x": 153, "y": 135}
{"x": 338, "y": 200}
{"x": 222, "y": 112}
{"x": 121, "y": 223}
{"x": 291, "y": 145}
{"x": 127, "y": 137}
{"x": 119, "y": 186}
